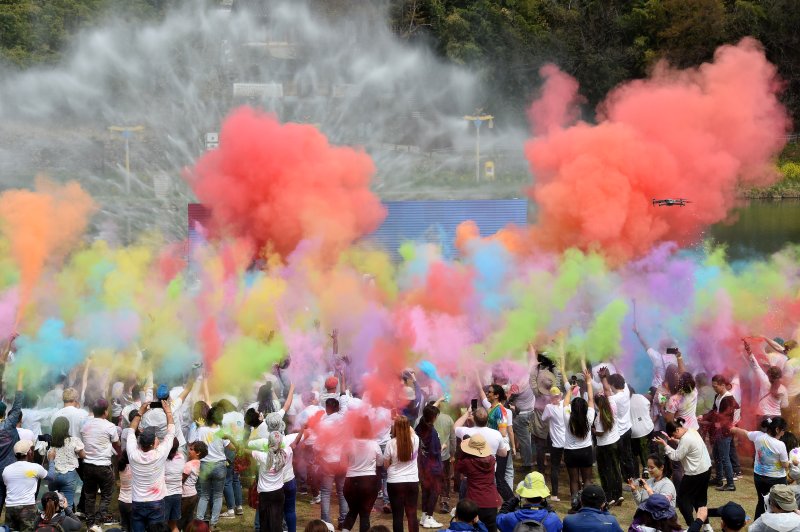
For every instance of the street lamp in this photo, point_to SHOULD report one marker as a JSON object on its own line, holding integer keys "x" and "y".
{"x": 127, "y": 133}
{"x": 478, "y": 120}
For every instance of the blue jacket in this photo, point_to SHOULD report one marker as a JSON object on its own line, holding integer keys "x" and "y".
{"x": 591, "y": 520}
{"x": 550, "y": 520}
{"x": 458, "y": 526}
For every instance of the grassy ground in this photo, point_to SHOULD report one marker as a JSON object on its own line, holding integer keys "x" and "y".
{"x": 745, "y": 495}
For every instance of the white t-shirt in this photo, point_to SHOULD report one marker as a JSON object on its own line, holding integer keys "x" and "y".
{"x": 768, "y": 405}
{"x": 684, "y": 406}
{"x": 402, "y": 471}
{"x": 76, "y": 416}
{"x": 621, "y": 405}
{"x": 98, "y": 434}
{"x": 606, "y": 436}
{"x": 493, "y": 437}
{"x": 363, "y": 457}
{"x": 288, "y": 471}
{"x": 330, "y": 427}
{"x": 641, "y": 422}
{"x": 173, "y": 474}
{"x": 309, "y": 436}
{"x": 554, "y": 415}
{"x": 25, "y": 434}
{"x": 270, "y": 479}
{"x": 382, "y": 422}
{"x": 570, "y": 441}
{"x": 770, "y": 455}
{"x": 192, "y": 470}
{"x": 660, "y": 364}
{"x": 691, "y": 453}
{"x": 147, "y": 468}
{"x": 21, "y": 479}
{"x": 125, "y": 490}
{"x": 216, "y": 445}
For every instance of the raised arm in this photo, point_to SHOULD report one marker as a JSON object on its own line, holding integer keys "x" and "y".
{"x": 641, "y": 339}
{"x": 15, "y": 414}
{"x": 289, "y": 398}
{"x": 85, "y": 378}
{"x": 484, "y": 400}
{"x": 681, "y": 365}
{"x": 589, "y": 389}
{"x": 187, "y": 389}
{"x": 533, "y": 357}
{"x": 774, "y": 345}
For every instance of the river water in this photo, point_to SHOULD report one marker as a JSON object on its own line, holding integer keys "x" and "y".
{"x": 759, "y": 228}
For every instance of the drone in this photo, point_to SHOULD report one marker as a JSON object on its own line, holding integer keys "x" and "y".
{"x": 670, "y": 202}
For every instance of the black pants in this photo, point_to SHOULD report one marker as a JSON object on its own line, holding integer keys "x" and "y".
{"x": 188, "y": 509}
{"x": 488, "y": 517}
{"x": 500, "y": 478}
{"x": 555, "y": 466}
{"x": 431, "y": 488}
{"x": 763, "y": 485}
{"x": 360, "y": 494}
{"x": 627, "y": 466}
{"x": 641, "y": 450}
{"x": 541, "y": 448}
{"x": 692, "y": 494}
{"x": 270, "y": 510}
{"x": 94, "y": 477}
{"x": 403, "y": 500}
{"x": 608, "y": 469}
{"x": 125, "y": 509}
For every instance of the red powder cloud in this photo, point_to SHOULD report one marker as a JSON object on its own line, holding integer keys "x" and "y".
{"x": 282, "y": 183}
{"x": 695, "y": 134}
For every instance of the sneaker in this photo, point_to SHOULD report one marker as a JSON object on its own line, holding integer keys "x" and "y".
{"x": 726, "y": 487}
{"x": 302, "y": 491}
{"x": 79, "y": 515}
{"x": 716, "y": 481}
{"x": 554, "y": 498}
{"x": 430, "y": 522}
{"x": 316, "y": 500}
{"x": 95, "y": 528}
{"x": 737, "y": 476}
{"x": 444, "y": 507}
{"x": 230, "y": 514}
{"x": 619, "y": 501}
{"x": 239, "y": 510}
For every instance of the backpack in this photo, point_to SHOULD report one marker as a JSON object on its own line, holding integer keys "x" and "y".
{"x": 529, "y": 525}
{"x": 48, "y": 527}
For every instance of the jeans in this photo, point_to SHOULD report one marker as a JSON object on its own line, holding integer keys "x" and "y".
{"x": 329, "y": 478}
{"x": 403, "y": 500}
{"x": 556, "y": 453}
{"x": 233, "y": 487}
{"x": 608, "y": 470}
{"x": 737, "y": 468}
{"x": 763, "y": 485}
{"x": 521, "y": 425}
{"x": 63, "y": 482}
{"x": 94, "y": 477}
{"x": 146, "y": 513}
{"x": 289, "y": 505}
{"x": 211, "y": 479}
{"x": 722, "y": 459}
{"x": 360, "y": 494}
{"x": 509, "y": 477}
{"x": 270, "y": 510}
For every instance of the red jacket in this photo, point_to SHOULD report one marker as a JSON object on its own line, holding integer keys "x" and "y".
{"x": 480, "y": 479}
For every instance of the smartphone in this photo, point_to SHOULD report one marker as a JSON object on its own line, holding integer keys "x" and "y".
{"x": 672, "y": 350}
{"x": 473, "y": 405}
{"x": 156, "y": 404}
{"x": 641, "y": 483}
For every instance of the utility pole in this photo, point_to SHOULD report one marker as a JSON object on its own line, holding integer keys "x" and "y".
{"x": 127, "y": 132}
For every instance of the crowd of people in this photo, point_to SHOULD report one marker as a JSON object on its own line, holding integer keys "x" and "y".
{"x": 172, "y": 458}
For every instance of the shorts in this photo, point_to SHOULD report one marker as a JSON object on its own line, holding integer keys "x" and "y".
{"x": 579, "y": 457}
{"x": 172, "y": 507}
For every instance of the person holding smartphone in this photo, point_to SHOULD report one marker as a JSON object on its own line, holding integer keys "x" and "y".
{"x": 656, "y": 483}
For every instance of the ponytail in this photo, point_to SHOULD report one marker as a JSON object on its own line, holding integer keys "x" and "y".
{"x": 672, "y": 426}
{"x": 774, "y": 425}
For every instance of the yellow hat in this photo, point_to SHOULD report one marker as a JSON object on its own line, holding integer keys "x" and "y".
{"x": 555, "y": 391}
{"x": 533, "y": 487}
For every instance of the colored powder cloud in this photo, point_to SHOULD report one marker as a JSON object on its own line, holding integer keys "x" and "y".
{"x": 695, "y": 134}
{"x": 281, "y": 183}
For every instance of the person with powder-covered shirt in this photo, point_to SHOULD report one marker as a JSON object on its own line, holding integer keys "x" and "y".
{"x": 147, "y": 457}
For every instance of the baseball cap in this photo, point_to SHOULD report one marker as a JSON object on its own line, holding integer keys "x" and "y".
{"x": 733, "y": 515}
{"x": 23, "y": 446}
{"x": 593, "y": 495}
{"x": 331, "y": 382}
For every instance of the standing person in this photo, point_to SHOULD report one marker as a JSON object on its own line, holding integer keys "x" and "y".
{"x": 21, "y": 480}
{"x": 493, "y": 399}
{"x": 523, "y": 401}
{"x": 718, "y": 422}
{"x": 101, "y": 442}
{"x": 125, "y": 496}
{"x": 9, "y": 435}
{"x": 430, "y": 465}
{"x": 607, "y": 450}
{"x": 361, "y": 484}
{"x": 146, "y": 461}
{"x": 771, "y": 392}
{"x": 657, "y": 483}
{"x": 642, "y": 427}
{"x": 63, "y": 456}
{"x": 771, "y": 459}
{"x": 271, "y": 465}
{"x": 72, "y": 410}
{"x": 554, "y": 417}
{"x": 477, "y": 462}
{"x": 402, "y": 476}
{"x": 578, "y": 418}
{"x": 197, "y": 450}
{"x": 213, "y": 466}
{"x": 494, "y": 439}
{"x": 619, "y": 395}
{"x": 447, "y": 437}
{"x": 173, "y": 480}
{"x": 661, "y": 360}
{"x": 544, "y": 378}
{"x": 329, "y": 444}
{"x": 693, "y": 457}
